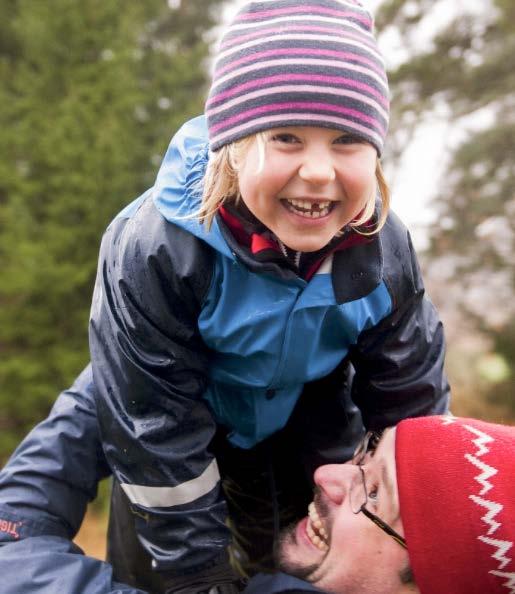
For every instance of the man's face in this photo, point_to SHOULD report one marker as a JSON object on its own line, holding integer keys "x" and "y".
{"x": 339, "y": 550}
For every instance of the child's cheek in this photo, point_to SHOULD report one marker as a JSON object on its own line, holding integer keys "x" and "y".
{"x": 359, "y": 177}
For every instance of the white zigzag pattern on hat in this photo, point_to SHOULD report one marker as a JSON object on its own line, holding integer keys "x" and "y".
{"x": 493, "y": 510}
{"x": 502, "y": 546}
{"x": 511, "y": 579}
{"x": 487, "y": 471}
{"x": 448, "y": 419}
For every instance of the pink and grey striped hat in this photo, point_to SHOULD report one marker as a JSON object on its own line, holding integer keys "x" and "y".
{"x": 299, "y": 63}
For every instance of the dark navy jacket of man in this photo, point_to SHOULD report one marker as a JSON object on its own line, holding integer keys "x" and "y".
{"x": 193, "y": 331}
{"x": 44, "y": 490}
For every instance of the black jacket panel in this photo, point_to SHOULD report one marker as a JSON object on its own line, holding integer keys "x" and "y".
{"x": 399, "y": 362}
{"x": 149, "y": 367}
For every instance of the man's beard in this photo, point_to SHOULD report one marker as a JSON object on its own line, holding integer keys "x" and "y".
{"x": 287, "y": 542}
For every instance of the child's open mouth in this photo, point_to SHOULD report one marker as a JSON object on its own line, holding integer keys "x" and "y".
{"x": 309, "y": 208}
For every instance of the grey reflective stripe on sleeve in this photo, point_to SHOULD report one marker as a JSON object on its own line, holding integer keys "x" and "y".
{"x": 179, "y": 495}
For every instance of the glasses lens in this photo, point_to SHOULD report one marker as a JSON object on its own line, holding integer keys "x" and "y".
{"x": 367, "y": 444}
{"x": 358, "y": 492}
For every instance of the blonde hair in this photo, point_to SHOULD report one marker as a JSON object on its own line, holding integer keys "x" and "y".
{"x": 221, "y": 184}
{"x": 368, "y": 211}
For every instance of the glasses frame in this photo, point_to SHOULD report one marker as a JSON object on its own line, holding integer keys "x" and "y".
{"x": 357, "y": 460}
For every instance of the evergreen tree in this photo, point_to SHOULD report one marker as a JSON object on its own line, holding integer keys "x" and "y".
{"x": 469, "y": 69}
{"x": 90, "y": 94}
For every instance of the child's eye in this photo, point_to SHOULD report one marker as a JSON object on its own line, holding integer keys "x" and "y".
{"x": 285, "y": 137}
{"x": 348, "y": 139}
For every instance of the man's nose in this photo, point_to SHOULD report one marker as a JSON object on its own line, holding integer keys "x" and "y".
{"x": 317, "y": 168}
{"x": 335, "y": 480}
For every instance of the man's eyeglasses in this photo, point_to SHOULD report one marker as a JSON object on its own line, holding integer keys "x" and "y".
{"x": 359, "y": 497}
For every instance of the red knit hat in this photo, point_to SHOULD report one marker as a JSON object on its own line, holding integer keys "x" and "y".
{"x": 456, "y": 480}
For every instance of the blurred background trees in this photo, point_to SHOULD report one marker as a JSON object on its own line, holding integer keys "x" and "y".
{"x": 456, "y": 65}
{"x": 90, "y": 94}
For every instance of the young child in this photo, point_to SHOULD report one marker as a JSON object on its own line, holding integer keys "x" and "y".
{"x": 259, "y": 305}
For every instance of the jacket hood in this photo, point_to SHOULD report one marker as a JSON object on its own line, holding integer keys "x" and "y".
{"x": 177, "y": 191}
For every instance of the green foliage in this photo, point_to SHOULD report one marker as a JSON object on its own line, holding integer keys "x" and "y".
{"x": 469, "y": 66}
{"x": 90, "y": 94}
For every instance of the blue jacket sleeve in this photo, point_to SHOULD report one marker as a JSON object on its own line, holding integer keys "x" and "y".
{"x": 399, "y": 363}
{"x": 53, "y": 474}
{"x": 278, "y": 583}
{"x": 50, "y": 564}
{"x": 150, "y": 367}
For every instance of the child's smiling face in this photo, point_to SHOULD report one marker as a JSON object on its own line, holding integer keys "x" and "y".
{"x": 313, "y": 182}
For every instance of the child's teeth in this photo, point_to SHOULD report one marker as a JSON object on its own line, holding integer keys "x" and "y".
{"x": 311, "y": 210}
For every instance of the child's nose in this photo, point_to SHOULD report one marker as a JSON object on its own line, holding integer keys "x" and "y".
{"x": 317, "y": 170}
{"x": 335, "y": 480}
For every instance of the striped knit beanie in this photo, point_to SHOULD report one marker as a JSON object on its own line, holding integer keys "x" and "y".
{"x": 299, "y": 63}
{"x": 456, "y": 481}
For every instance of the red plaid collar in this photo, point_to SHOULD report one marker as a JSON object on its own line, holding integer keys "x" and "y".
{"x": 255, "y": 237}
